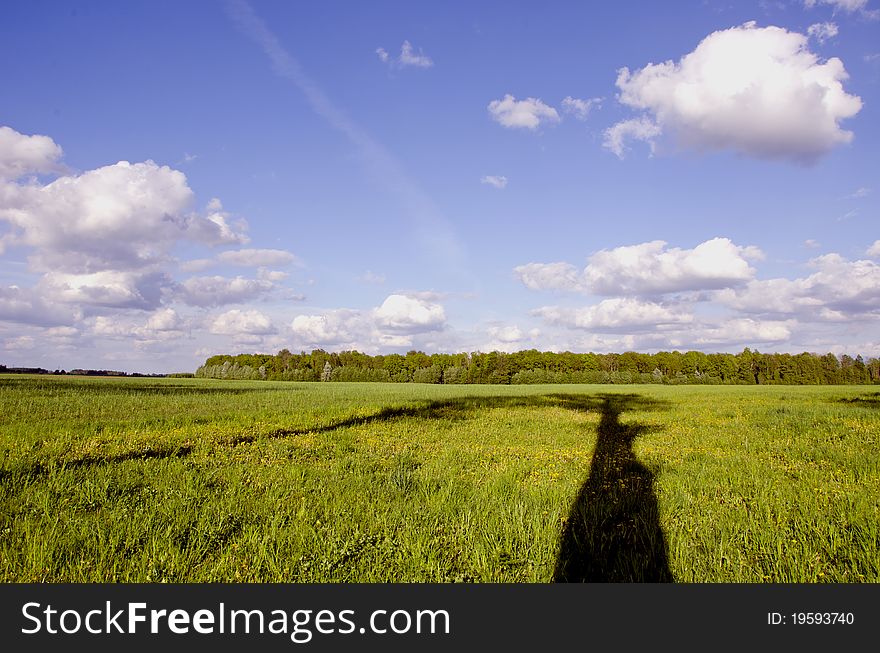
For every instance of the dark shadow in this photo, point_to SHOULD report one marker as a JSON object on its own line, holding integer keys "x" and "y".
{"x": 871, "y": 400}
{"x": 613, "y": 531}
{"x": 462, "y": 408}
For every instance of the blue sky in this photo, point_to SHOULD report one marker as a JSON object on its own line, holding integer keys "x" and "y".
{"x": 184, "y": 179}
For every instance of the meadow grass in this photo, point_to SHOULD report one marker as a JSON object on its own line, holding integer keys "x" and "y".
{"x": 190, "y": 480}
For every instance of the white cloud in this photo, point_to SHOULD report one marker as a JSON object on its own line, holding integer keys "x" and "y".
{"x": 649, "y": 268}
{"x": 506, "y": 334}
{"x": 838, "y": 288}
{"x": 744, "y": 331}
{"x": 812, "y": 244}
{"x": 165, "y": 319}
{"x": 163, "y": 325}
{"x": 107, "y": 289}
{"x": 119, "y": 217}
{"x": 393, "y": 324}
{"x": 19, "y": 343}
{"x": 509, "y": 338}
{"x": 521, "y": 114}
{"x": 578, "y": 108}
{"x": 550, "y": 276}
{"x": 639, "y": 129}
{"x": 758, "y": 91}
{"x": 822, "y": 31}
{"x": 409, "y": 314}
{"x": 874, "y": 250}
{"x": 498, "y": 181}
{"x": 408, "y": 57}
{"x": 330, "y": 328}
{"x": 27, "y": 306}
{"x": 616, "y": 314}
{"x": 859, "y": 193}
{"x": 217, "y": 291}
{"x": 274, "y": 276}
{"x": 242, "y": 323}
{"x": 23, "y": 155}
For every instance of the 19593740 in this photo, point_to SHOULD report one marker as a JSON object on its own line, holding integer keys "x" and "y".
{"x": 810, "y": 618}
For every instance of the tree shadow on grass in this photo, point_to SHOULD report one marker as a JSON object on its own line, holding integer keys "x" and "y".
{"x": 613, "y": 531}
{"x": 870, "y": 400}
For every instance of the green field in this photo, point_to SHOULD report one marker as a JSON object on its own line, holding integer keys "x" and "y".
{"x": 187, "y": 480}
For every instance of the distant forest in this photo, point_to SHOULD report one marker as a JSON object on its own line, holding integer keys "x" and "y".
{"x": 524, "y": 367}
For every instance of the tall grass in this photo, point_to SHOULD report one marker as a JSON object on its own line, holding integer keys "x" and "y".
{"x": 198, "y": 480}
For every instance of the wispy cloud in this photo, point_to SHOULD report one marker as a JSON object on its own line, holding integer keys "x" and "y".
{"x": 578, "y": 108}
{"x": 859, "y": 194}
{"x": 408, "y": 57}
{"x": 498, "y": 181}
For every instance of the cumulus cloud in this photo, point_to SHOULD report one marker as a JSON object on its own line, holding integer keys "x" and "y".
{"x": 119, "y": 289}
{"x": 616, "y": 314}
{"x": 822, "y": 31}
{"x": 757, "y": 91}
{"x": 740, "y": 331}
{"x": 507, "y": 334}
{"x": 838, "y": 289}
{"x": 164, "y": 320}
{"x": 392, "y": 324}
{"x": 24, "y": 155}
{"x": 509, "y": 338}
{"x": 578, "y": 108}
{"x": 408, "y": 57}
{"x": 119, "y": 217}
{"x": 521, "y": 114}
{"x": 874, "y": 250}
{"x": 217, "y": 291}
{"x": 265, "y": 274}
{"x": 409, "y": 314}
{"x": 27, "y": 306}
{"x": 242, "y": 323}
{"x": 498, "y": 181}
{"x": 19, "y": 343}
{"x": 161, "y": 326}
{"x": 638, "y": 129}
{"x": 329, "y": 328}
{"x": 650, "y": 268}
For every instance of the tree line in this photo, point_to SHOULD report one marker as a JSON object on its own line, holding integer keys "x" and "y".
{"x": 531, "y": 366}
